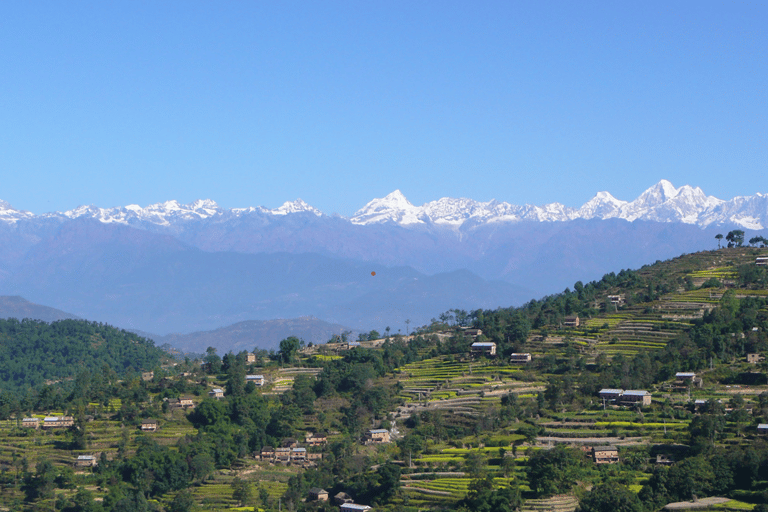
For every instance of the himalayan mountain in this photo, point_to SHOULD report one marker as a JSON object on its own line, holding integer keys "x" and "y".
{"x": 176, "y": 268}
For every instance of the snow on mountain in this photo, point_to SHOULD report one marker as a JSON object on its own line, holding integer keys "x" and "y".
{"x": 394, "y": 207}
{"x": 602, "y": 206}
{"x": 11, "y": 215}
{"x": 660, "y": 203}
{"x": 296, "y": 206}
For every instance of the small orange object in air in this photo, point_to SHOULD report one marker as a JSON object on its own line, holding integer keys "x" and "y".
{"x": 373, "y": 273}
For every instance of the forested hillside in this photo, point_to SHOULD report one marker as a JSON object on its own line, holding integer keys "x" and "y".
{"x": 33, "y": 352}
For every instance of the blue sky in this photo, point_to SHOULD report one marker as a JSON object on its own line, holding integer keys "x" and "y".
{"x": 255, "y": 103}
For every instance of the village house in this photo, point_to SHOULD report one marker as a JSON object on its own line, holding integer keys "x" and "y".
{"x": 250, "y": 357}
{"x": 315, "y": 439}
{"x": 754, "y": 358}
{"x": 147, "y": 375}
{"x": 86, "y": 461}
{"x": 685, "y": 379}
{"x": 761, "y": 261}
{"x": 318, "y": 494}
{"x": 472, "y": 333}
{"x": 58, "y": 421}
{"x": 483, "y": 348}
{"x": 341, "y": 498}
{"x": 605, "y": 455}
{"x": 267, "y": 453}
{"x": 298, "y": 454}
{"x": 762, "y": 429}
{"x": 520, "y": 358}
{"x": 283, "y": 455}
{"x": 617, "y": 300}
{"x": 635, "y": 397}
{"x": 354, "y": 507}
{"x": 256, "y": 379}
{"x": 377, "y": 436}
{"x": 611, "y": 395}
{"x": 148, "y": 425}
{"x": 571, "y": 321}
{"x": 185, "y": 402}
{"x": 314, "y": 456}
{"x": 664, "y": 459}
{"x": 30, "y": 423}
{"x": 216, "y": 393}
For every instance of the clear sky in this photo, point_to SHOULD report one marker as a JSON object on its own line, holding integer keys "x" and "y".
{"x": 258, "y": 102}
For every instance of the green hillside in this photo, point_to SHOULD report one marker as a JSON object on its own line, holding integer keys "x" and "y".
{"x": 467, "y": 431}
{"x": 33, "y": 352}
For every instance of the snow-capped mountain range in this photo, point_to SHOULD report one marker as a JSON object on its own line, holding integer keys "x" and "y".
{"x": 660, "y": 203}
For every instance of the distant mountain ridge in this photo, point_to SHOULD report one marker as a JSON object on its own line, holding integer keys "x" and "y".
{"x": 253, "y": 334}
{"x": 20, "y": 308}
{"x": 662, "y": 202}
{"x": 174, "y": 268}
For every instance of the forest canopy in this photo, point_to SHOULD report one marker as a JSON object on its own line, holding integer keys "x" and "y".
{"x": 33, "y": 352}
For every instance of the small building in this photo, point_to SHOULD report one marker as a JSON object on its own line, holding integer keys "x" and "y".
{"x": 762, "y": 429}
{"x": 185, "y": 402}
{"x": 318, "y": 494}
{"x": 256, "y": 379}
{"x": 635, "y": 397}
{"x": 472, "y": 333}
{"x": 664, "y": 459}
{"x": 571, "y": 321}
{"x": 761, "y": 261}
{"x": 298, "y": 454}
{"x": 341, "y": 498}
{"x": 148, "y": 425}
{"x": 147, "y": 375}
{"x": 283, "y": 455}
{"x": 314, "y": 456}
{"x": 267, "y": 453}
{"x": 354, "y": 507}
{"x": 216, "y": 393}
{"x": 86, "y": 461}
{"x": 754, "y": 358}
{"x": 685, "y": 379}
{"x": 58, "y": 422}
{"x": 611, "y": 395}
{"x": 617, "y": 300}
{"x": 377, "y": 436}
{"x": 605, "y": 454}
{"x": 520, "y": 358}
{"x": 486, "y": 348}
{"x": 250, "y": 357}
{"x": 30, "y": 423}
{"x": 315, "y": 439}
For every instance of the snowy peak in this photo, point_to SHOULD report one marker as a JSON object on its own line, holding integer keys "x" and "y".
{"x": 393, "y": 207}
{"x": 602, "y": 206}
{"x": 296, "y": 206}
{"x": 11, "y": 215}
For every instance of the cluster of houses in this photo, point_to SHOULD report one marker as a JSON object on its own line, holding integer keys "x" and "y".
{"x": 184, "y": 402}
{"x": 48, "y": 422}
{"x": 292, "y": 453}
{"x": 629, "y": 397}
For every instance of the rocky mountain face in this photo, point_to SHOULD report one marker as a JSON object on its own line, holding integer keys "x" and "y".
{"x": 172, "y": 267}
